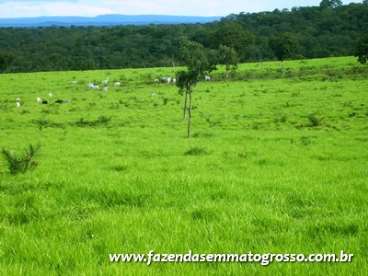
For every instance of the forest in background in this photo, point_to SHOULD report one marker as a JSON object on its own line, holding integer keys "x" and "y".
{"x": 331, "y": 29}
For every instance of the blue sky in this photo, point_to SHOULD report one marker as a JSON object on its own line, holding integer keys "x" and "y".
{"x": 29, "y": 8}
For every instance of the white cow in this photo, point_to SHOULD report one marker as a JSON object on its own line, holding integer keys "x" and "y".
{"x": 167, "y": 80}
{"x": 18, "y": 102}
{"x": 93, "y": 86}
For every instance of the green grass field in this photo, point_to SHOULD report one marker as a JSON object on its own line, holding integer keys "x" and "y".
{"x": 277, "y": 163}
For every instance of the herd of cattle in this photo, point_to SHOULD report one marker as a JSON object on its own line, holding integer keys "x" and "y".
{"x": 104, "y": 85}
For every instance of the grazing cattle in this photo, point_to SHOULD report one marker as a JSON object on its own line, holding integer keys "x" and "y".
{"x": 105, "y": 82}
{"x": 42, "y": 101}
{"x": 156, "y": 80}
{"x": 18, "y": 102}
{"x": 106, "y": 89}
{"x": 93, "y": 86}
{"x": 118, "y": 83}
{"x": 167, "y": 80}
{"x": 59, "y": 101}
{"x": 207, "y": 78}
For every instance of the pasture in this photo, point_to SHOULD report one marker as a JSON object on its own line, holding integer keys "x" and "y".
{"x": 277, "y": 163}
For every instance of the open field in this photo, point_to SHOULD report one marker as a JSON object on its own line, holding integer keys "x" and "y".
{"x": 277, "y": 163}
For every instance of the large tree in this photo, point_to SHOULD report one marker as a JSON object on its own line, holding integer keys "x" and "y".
{"x": 6, "y": 60}
{"x": 234, "y": 35}
{"x": 330, "y": 4}
{"x": 361, "y": 51}
{"x": 284, "y": 46}
{"x": 228, "y": 56}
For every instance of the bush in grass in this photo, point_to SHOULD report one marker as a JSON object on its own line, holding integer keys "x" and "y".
{"x": 21, "y": 163}
{"x": 100, "y": 121}
{"x": 314, "y": 120}
{"x": 196, "y": 151}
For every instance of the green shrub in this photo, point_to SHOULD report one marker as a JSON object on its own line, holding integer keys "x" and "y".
{"x": 196, "y": 151}
{"x": 100, "y": 121}
{"x": 21, "y": 163}
{"x": 314, "y": 120}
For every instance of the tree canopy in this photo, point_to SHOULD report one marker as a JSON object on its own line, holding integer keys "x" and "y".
{"x": 362, "y": 50}
{"x": 330, "y": 30}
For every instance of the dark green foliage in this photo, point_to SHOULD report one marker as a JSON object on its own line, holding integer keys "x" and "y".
{"x": 196, "y": 151}
{"x": 232, "y": 34}
{"x": 6, "y": 60}
{"x": 228, "y": 57}
{"x": 320, "y": 32}
{"x": 119, "y": 168}
{"x": 284, "y": 46}
{"x": 45, "y": 123}
{"x": 21, "y": 163}
{"x": 203, "y": 215}
{"x": 197, "y": 58}
{"x": 314, "y": 120}
{"x": 330, "y": 4}
{"x": 280, "y": 118}
{"x": 185, "y": 80}
{"x": 100, "y": 121}
{"x": 361, "y": 51}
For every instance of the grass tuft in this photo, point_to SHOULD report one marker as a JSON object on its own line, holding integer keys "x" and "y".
{"x": 21, "y": 163}
{"x": 196, "y": 151}
{"x": 314, "y": 120}
{"x": 100, "y": 121}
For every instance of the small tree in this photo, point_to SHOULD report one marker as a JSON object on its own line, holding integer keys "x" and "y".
{"x": 228, "y": 57}
{"x": 186, "y": 80}
{"x": 198, "y": 62}
{"x": 361, "y": 51}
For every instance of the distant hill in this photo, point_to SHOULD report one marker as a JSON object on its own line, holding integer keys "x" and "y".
{"x": 103, "y": 20}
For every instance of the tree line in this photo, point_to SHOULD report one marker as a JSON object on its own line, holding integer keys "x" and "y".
{"x": 331, "y": 29}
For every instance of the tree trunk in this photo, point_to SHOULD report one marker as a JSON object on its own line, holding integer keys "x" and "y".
{"x": 185, "y": 104}
{"x": 190, "y": 114}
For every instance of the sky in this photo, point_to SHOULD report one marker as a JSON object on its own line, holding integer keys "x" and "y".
{"x": 32, "y": 8}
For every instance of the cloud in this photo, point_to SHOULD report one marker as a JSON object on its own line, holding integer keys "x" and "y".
{"x": 17, "y": 8}
{"x": 28, "y": 8}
